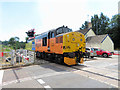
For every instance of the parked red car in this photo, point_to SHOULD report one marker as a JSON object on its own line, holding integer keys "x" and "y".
{"x": 101, "y": 52}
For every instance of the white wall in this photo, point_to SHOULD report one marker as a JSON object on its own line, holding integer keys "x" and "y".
{"x": 95, "y": 45}
{"x": 107, "y": 44}
{"x": 90, "y": 33}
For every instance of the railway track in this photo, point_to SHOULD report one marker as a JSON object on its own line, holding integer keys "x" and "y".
{"x": 95, "y": 73}
{"x": 78, "y": 67}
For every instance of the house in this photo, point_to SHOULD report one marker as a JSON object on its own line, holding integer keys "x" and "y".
{"x": 87, "y": 32}
{"x": 99, "y": 41}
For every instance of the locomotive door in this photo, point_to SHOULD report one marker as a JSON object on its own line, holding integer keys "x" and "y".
{"x": 49, "y": 35}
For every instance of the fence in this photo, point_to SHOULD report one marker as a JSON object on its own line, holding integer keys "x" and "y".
{"x": 16, "y": 58}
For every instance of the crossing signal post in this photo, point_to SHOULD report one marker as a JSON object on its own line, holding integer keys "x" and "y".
{"x": 31, "y": 33}
{"x": 31, "y": 36}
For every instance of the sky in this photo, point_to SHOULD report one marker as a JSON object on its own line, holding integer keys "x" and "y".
{"x": 19, "y": 16}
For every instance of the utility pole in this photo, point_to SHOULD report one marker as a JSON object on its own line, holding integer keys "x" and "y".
{"x": 31, "y": 36}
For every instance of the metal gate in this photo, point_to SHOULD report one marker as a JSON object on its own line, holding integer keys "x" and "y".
{"x": 19, "y": 57}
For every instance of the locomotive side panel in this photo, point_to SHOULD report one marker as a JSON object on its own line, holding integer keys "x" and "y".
{"x": 41, "y": 44}
{"x": 56, "y": 45}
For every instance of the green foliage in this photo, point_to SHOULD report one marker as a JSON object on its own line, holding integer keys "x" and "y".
{"x": 13, "y": 43}
{"x": 5, "y": 48}
{"x": 114, "y": 30}
{"x": 84, "y": 26}
{"x": 26, "y": 39}
{"x": 99, "y": 24}
{"x": 103, "y": 25}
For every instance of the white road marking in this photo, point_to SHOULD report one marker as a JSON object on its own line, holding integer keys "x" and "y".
{"x": 47, "y": 86}
{"x": 1, "y": 77}
{"x": 41, "y": 81}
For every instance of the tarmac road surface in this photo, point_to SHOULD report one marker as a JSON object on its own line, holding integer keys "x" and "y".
{"x": 50, "y": 75}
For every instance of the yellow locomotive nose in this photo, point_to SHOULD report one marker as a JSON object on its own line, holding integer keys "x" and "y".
{"x": 73, "y": 42}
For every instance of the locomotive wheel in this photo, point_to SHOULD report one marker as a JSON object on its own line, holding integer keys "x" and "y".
{"x": 38, "y": 54}
{"x": 46, "y": 57}
{"x": 55, "y": 60}
{"x": 43, "y": 55}
{"x": 59, "y": 59}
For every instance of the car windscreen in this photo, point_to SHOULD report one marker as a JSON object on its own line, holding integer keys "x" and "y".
{"x": 87, "y": 49}
{"x": 95, "y": 49}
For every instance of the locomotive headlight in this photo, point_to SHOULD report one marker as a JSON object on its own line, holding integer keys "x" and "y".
{"x": 73, "y": 39}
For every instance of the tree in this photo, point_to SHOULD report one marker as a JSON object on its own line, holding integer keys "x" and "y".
{"x": 104, "y": 22}
{"x": 14, "y": 42}
{"x": 99, "y": 24}
{"x": 5, "y": 42}
{"x": 114, "y": 30}
{"x": 26, "y": 39}
{"x": 84, "y": 26}
{"x": 95, "y": 23}
{"x": 17, "y": 39}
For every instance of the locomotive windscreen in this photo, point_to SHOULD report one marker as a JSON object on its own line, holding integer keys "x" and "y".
{"x": 63, "y": 30}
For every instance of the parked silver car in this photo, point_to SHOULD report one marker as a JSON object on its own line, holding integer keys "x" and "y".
{"x": 90, "y": 52}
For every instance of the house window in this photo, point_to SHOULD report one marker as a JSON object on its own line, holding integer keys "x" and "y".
{"x": 44, "y": 41}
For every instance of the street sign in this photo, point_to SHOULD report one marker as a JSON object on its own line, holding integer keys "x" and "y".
{"x": 33, "y": 45}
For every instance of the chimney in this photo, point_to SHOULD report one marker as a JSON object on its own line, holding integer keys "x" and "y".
{"x": 89, "y": 25}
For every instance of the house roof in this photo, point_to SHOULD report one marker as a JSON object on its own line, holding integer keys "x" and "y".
{"x": 83, "y": 31}
{"x": 96, "y": 39}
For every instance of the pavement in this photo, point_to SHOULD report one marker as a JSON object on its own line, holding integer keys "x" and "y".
{"x": 1, "y": 76}
{"x": 50, "y": 75}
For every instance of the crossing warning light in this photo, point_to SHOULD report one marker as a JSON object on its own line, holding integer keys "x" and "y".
{"x": 30, "y": 33}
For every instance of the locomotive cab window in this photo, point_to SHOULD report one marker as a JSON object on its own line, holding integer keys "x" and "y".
{"x": 44, "y": 41}
{"x": 59, "y": 31}
{"x": 63, "y": 30}
{"x": 52, "y": 35}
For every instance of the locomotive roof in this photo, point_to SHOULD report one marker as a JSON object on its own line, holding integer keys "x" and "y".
{"x": 62, "y": 34}
{"x": 44, "y": 33}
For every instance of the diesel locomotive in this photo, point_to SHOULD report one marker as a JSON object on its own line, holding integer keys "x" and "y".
{"x": 61, "y": 45}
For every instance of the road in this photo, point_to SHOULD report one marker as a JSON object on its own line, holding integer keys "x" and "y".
{"x": 94, "y": 73}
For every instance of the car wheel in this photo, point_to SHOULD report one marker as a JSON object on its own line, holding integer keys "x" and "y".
{"x": 105, "y": 55}
{"x": 92, "y": 56}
